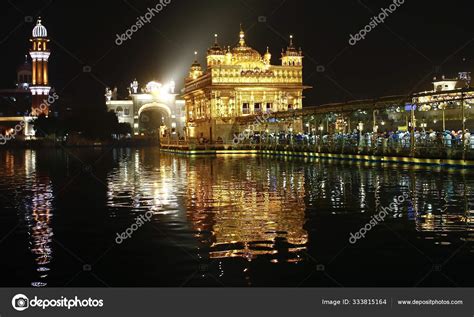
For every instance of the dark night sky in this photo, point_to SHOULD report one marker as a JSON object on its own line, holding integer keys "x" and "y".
{"x": 395, "y": 58}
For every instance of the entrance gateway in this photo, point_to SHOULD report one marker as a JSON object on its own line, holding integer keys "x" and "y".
{"x": 152, "y": 110}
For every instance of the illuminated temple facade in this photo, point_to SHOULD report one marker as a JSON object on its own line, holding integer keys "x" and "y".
{"x": 240, "y": 85}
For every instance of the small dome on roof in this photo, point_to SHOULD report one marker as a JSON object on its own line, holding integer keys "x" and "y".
{"x": 26, "y": 66}
{"x": 196, "y": 65}
{"x": 215, "y": 49}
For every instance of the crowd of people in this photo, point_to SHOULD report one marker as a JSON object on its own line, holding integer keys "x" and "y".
{"x": 449, "y": 139}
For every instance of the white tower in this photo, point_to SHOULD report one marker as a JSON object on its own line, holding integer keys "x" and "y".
{"x": 40, "y": 55}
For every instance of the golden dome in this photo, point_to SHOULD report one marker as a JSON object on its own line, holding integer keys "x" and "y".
{"x": 243, "y": 53}
{"x": 246, "y": 54}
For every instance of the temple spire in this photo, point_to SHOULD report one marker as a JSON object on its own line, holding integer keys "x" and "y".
{"x": 242, "y": 36}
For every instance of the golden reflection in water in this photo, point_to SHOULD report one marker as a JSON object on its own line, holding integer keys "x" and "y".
{"x": 9, "y": 164}
{"x": 251, "y": 210}
{"x": 144, "y": 181}
{"x": 248, "y": 207}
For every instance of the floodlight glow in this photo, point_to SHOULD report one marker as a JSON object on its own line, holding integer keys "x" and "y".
{"x": 153, "y": 87}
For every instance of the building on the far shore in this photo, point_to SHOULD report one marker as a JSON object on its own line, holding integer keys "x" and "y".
{"x": 239, "y": 86}
{"x": 21, "y": 105}
{"x": 16, "y": 102}
{"x": 450, "y": 102}
{"x": 154, "y": 102}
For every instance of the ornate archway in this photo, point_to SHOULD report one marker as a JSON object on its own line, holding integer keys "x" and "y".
{"x": 155, "y": 105}
{"x": 149, "y": 123}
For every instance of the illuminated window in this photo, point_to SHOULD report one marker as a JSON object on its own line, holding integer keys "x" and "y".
{"x": 245, "y": 108}
{"x": 258, "y": 107}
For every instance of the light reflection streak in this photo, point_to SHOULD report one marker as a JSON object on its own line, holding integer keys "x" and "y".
{"x": 38, "y": 204}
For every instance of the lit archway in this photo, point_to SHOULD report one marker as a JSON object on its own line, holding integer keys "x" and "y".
{"x": 155, "y": 105}
{"x": 154, "y": 119}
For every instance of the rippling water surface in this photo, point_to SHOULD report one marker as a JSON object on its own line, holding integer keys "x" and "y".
{"x": 228, "y": 221}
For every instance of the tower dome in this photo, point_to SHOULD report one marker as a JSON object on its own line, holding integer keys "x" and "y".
{"x": 39, "y": 31}
{"x": 215, "y": 49}
{"x": 215, "y": 55}
{"x": 292, "y": 56}
{"x": 196, "y": 65}
{"x": 291, "y": 49}
{"x": 196, "y": 69}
